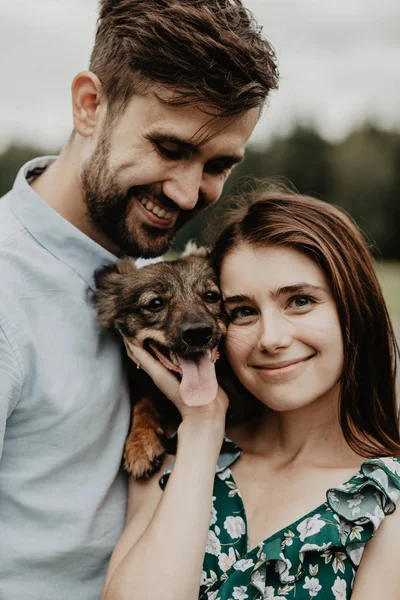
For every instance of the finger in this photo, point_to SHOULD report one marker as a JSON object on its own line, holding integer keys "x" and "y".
{"x": 163, "y": 378}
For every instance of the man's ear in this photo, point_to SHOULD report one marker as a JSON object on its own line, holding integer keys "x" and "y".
{"x": 87, "y": 97}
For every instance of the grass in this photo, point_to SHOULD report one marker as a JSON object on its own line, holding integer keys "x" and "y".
{"x": 389, "y": 277}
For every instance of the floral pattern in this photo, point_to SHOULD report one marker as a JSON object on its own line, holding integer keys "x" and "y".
{"x": 315, "y": 557}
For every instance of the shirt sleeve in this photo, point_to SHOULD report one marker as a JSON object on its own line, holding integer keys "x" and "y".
{"x": 10, "y": 378}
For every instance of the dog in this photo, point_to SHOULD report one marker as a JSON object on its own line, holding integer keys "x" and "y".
{"x": 174, "y": 310}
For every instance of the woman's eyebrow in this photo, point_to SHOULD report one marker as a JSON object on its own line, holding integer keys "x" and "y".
{"x": 282, "y": 291}
{"x": 237, "y": 299}
{"x": 297, "y": 288}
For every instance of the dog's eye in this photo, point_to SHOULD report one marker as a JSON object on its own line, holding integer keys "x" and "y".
{"x": 155, "y": 304}
{"x": 212, "y": 296}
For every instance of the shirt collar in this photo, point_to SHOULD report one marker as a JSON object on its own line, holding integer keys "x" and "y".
{"x": 62, "y": 239}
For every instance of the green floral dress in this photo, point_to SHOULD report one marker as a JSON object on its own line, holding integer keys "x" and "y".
{"x": 315, "y": 557}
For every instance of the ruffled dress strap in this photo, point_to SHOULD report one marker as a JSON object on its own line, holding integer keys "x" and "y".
{"x": 330, "y": 540}
{"x": 229, "y": 453}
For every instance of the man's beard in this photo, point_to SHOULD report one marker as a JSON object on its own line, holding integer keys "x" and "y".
{"x": 109, "y": 209}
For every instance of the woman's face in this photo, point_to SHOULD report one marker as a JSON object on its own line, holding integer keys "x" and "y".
{"x": 284, "y": 340}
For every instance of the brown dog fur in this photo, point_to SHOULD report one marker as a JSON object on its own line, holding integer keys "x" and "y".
{"x": 156, "y": 306}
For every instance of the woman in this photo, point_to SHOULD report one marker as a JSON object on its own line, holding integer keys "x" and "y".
{"x": 309, "y": 338}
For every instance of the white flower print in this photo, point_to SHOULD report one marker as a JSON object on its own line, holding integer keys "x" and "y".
{"x": 213, "y": 544}
{"x": 333, "y": 497}
{"x": 310, "y": 526}
{"x": 394, "y": 495}
{"x": 235, "y": 526}
{"x": 339, "y": 589}
{"x": 288, "y": 541}
{"x": 344, "y": 530}
{"x": 283, "y": 567}
{"x": 356, "y": 552}
{"x": 345, "y": 486}
{"x": 312, "y": 585}
{"x": 225, "y": 561}
{"x": 203, "y": 578}
{"x": 209, "y": 581}
{"x": 311, "y": 547}
{"x": 377, "y": 517}
{"x": 212, "y": 595}
{"x": 244, "y": 564}
{"x": 258, "y": 580}
{"x": 213, "y": 516}
{"x": 355, "y": 500}
{"x": 269, "y": 593}
{"x": 224, "y": 474}
{"x": 354, "y": 503}
{"x": 239, "y": 593}
{"x": 392, "y": 465}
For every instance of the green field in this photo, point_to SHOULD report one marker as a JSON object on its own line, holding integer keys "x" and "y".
{"x": 389, "y": 277}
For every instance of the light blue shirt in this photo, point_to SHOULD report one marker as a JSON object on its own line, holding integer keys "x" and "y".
{"x": 64, "y": 407}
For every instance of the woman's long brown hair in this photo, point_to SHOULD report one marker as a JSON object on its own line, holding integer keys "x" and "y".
{"x": 367, "y": 409}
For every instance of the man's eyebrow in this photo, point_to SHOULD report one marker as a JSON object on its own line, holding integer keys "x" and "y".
{"x": 232, "y": 159}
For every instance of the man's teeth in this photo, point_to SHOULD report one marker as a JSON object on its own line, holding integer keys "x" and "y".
{"x": 156, "y": 210}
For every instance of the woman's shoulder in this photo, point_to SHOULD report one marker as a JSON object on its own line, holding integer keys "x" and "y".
{"x": 370, "y": 494}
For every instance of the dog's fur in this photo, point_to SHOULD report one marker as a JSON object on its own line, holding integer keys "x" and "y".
{"x": 155, "y": 307}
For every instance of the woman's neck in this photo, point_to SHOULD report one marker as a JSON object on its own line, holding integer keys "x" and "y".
{"x": 308, "y": 435}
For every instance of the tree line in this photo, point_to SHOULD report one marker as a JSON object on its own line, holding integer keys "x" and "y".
{"x": 360, "y": 173}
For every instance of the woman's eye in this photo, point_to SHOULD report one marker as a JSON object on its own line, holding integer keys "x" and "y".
{"x": 155, "y": 304}
{"x": 301, "y": 301}
{"x": 241, "y": 313}
{"x": 212, "y": 297}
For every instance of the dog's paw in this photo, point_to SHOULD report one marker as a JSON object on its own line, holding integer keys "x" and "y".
{"x": 144, "y": 453}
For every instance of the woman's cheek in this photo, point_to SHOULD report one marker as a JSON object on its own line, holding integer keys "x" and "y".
{"x": 236, "y": 346}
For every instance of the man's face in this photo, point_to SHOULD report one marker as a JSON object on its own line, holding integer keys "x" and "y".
{"x": 156, "y": 168}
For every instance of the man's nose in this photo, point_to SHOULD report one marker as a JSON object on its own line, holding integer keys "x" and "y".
{"x": 185, "y": 187}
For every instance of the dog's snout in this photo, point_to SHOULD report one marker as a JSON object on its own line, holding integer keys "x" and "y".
{"x": 196, "y": 334}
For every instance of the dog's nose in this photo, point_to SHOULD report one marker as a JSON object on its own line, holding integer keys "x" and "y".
{"x": 196, "y": 334}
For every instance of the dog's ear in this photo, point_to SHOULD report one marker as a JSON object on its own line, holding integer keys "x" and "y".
{"x": 192, "y": 249}
{"x": 111, "y": 289}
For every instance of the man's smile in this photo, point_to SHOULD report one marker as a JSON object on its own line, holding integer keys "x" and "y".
{"x": 154, "y": 213}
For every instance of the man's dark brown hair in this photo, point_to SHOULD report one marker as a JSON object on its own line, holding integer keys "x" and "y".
{"x": 207, "y": 52}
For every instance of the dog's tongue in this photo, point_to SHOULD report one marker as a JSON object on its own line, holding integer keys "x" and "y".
{"x": 199, "y": 384}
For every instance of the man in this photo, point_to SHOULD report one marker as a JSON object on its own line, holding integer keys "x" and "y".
{"x": 173, "y": 93}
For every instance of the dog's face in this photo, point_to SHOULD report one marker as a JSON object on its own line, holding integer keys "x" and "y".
{"x": 172, "y": 309}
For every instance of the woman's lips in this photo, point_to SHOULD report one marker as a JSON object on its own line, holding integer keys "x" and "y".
{"x": 282, "y": 369}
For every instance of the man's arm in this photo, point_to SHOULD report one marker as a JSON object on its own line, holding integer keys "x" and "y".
{"x": 11, "y": 377}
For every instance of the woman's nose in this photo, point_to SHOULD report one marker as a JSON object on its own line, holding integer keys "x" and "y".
{"x": 275, "y": 332}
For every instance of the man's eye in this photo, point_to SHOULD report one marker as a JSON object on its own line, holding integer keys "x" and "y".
{"x": 212, "y": 297}
{"x": 169, "y": 150}
{"x": 155, "y": 305}
{"x": 217, "y": 167}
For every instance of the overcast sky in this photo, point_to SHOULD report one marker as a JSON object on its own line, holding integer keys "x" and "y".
{"x": 339, "y": 63}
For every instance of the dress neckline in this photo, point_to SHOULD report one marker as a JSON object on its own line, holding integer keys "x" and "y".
{"x": 280, "y": 533}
